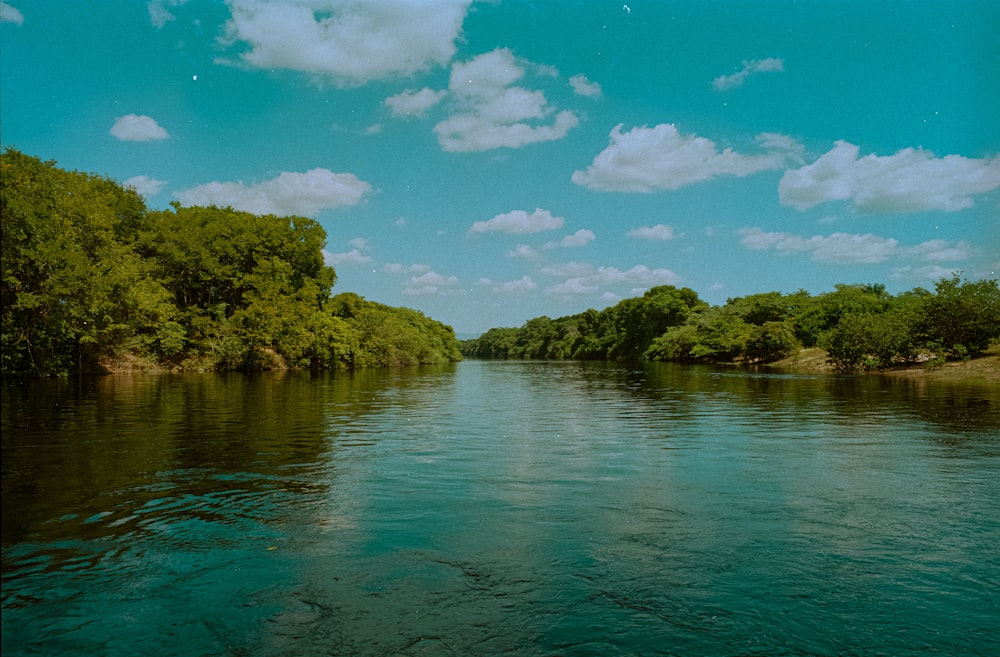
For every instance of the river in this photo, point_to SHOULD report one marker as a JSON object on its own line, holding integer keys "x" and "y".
{"x": 500, "y": 508}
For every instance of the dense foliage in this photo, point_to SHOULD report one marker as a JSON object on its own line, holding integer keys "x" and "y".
{"x": 90, "y": 275}
{"x": 862, "y": 327}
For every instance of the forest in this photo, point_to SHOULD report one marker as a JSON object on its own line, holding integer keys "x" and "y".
{"x": 93, "y": 280}
{"x": 862, "y": 327}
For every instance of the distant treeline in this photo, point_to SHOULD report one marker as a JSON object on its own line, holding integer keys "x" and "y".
{"x": 862, "y": 327}
{"x": 91, "y": 277}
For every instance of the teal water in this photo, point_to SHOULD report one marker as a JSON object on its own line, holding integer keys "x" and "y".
{"x": 501, "y": 508}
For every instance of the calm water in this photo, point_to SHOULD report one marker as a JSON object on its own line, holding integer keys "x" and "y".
{"x": 501, "y": 508}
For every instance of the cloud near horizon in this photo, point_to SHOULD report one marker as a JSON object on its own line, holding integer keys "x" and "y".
{"x": 137, "y": 127}
{"x": 911, "y": 180}
{"x": 145, "y": 185}
{"x": 587, "y": 279}
{"x": 431, "y": 282}
{"x": 661, "y": 158}
{"x": 347, "y": 42}
{"x": 519, "y": 222}
{"x": 846, "y": 248}
{"x": 290, "y": 193}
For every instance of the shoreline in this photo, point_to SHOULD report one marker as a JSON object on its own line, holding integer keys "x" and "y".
{"x": 982, "y": 370}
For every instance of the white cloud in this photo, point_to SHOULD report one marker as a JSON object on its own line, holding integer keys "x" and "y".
{"x": 584, "y": 87}
{"x": 352, "y": 257}
{"x": 568, "y": 270}
{"x": 137, "y": 127}
{"x": 579, "y": 238}
{"x": 925, "y": 273}
{"x": 572, "y": 287}
{"x": 839, "y": 248}
{"x": 145, "y": 185}
{"x": 660, "y": 232}
{"x": 911, "y": 180}
{"x": 9, "y": 14}
{"x": 750, "y": 67}
{"x": 845, "y": 248}
{"x": 159, "y": 15}
{"x": 346, "y": 41}
{"x": 491, "y": 113}
{"x": 414, "y": 103}
{"x": 431, "y": 282}
{"x": 522, "y": 285}
{"x": 585, "y": 279}
{"x": 396, "y": 268}
{"x": 519, "y": 222}
{"x": 942, "y": 251}
{"x": 651, "y": 159}
{"x": 522, "y": 251}
{"x": 288, "y": 194}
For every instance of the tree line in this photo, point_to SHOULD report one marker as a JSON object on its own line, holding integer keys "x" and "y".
{"x": 862, "y": 327}
{"x": 90, "y": 276}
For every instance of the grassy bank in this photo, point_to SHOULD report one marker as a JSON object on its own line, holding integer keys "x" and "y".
{"x": 984, "y": 369}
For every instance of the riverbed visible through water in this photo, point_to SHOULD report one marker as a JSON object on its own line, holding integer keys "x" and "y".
{"x": 501, "y": 508}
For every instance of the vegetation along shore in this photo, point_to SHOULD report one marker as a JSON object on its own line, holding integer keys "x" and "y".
{"x": 94, "y": 281}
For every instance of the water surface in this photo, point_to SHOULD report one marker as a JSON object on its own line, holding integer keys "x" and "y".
{"x": 496, "y": 508}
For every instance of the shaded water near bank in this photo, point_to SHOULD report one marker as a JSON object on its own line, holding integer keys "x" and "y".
{"x": 492, "y": 508}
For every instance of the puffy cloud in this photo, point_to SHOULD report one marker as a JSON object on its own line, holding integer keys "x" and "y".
{"x": 137, "y": 127}
{"x": 660, "y": 232}
{"x": 579, "y": 238}
{"x": 288, "y": 194}
{"x": 750, "y": 67}
{"x": 651, "y": 159}
{"x": 584, "y": 87}
{"x": 431, "y": 282}
{"x": 347, "y": 41}
{"x": 9, "y": 14}
{"x": 840, "y": 248}
{"x": 522, "y": 251}
{"x": 522, "y": 285}
{"x": 145, "y": 185}
{"x": 519, "y": 222}
{"x": 911, "y": 180}
{"x": 585, "y": 279}
{"x": 414, "y": 103}
{"x": 491, "y": 113}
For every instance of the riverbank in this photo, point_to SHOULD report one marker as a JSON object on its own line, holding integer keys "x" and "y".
{"x": 984, "y": 369}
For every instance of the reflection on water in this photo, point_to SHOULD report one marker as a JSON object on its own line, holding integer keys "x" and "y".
{"x": 500, "y": 508}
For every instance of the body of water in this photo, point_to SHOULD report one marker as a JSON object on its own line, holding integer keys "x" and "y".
{"x": 501, "y": 508}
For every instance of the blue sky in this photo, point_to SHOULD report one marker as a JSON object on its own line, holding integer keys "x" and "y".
{"x": 490, "y": 162}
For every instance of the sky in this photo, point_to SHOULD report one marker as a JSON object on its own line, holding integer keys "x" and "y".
{"x": 487, "y": 162}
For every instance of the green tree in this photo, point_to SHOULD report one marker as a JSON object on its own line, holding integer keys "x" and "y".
{"x": 73, "y": 288}
{"x": 961, "y": 317}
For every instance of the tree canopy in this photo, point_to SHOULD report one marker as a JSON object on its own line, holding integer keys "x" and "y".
{"x": 862, "y": 327}
{"x": 89, "y": 275}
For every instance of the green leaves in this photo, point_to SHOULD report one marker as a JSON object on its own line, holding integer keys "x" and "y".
{"x": 88, "y": 273}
